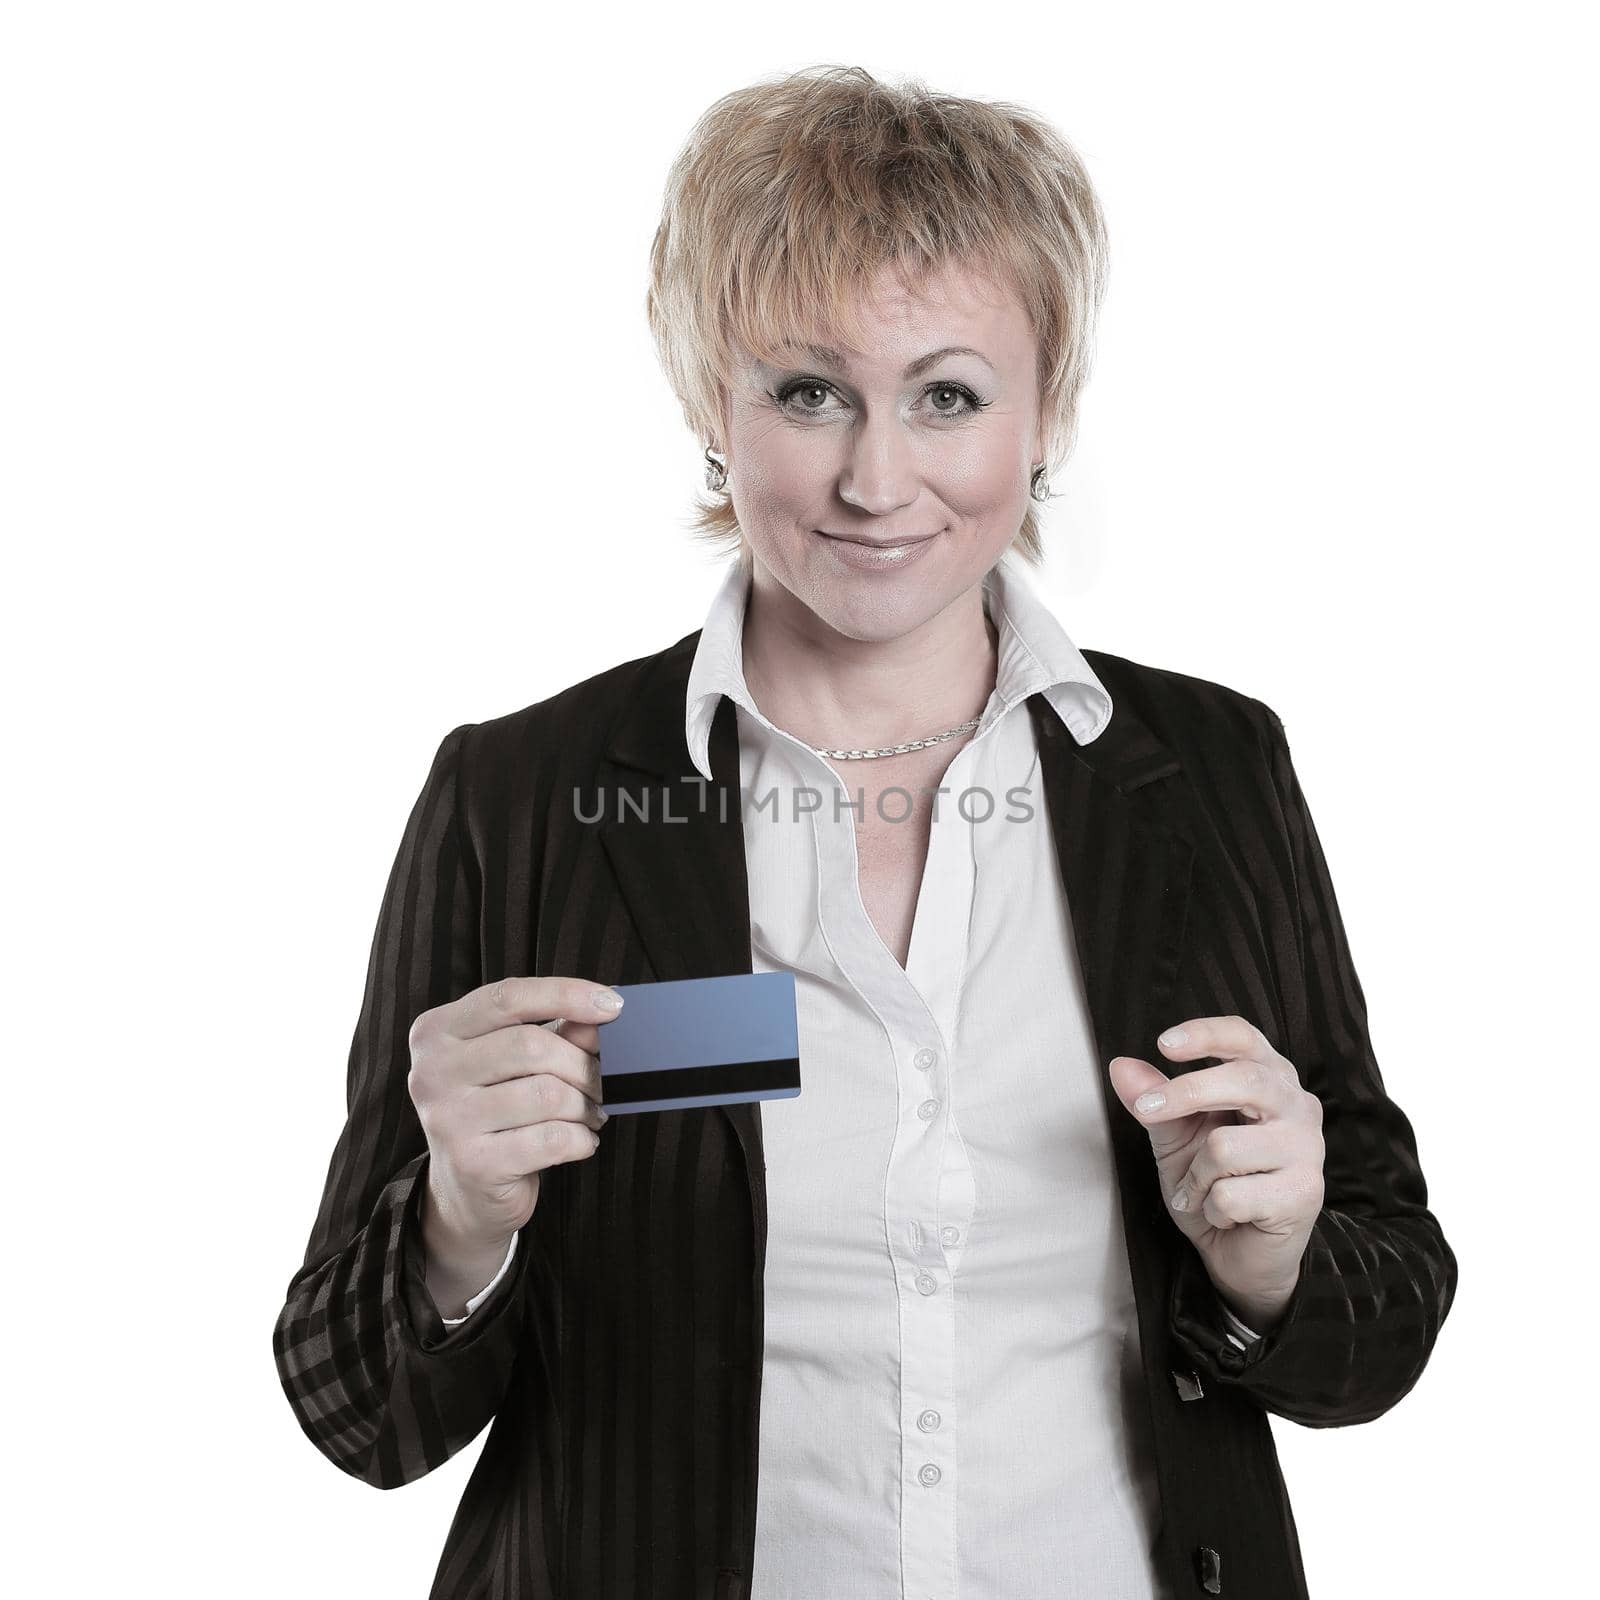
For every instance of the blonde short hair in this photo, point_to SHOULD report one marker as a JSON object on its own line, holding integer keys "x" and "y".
{"x": 791, "y": 194}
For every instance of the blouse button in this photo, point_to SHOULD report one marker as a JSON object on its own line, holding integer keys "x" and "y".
{"x": 950, "y": 1235}
{"x": 927, "y": 1283}
{"x": 928, "y": 1473}
{"x": 924, "y": 1059}
{"x": 929, "y": 1420}
{"x": 928, "y": 1110}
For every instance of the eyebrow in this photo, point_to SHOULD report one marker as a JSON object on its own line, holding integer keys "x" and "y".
{"x": 824, "y": 352}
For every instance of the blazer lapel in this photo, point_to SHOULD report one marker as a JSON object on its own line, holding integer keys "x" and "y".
{"x": 1127, "y": 881}
{"x": 676, "y": 846}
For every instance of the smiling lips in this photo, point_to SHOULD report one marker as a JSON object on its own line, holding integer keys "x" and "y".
{"x": 872, "y": 555}
{"x": 877, "y": 544}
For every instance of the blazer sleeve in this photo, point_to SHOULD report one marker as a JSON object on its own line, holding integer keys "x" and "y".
{"x": 1378, "y": 1277}
{"x": 378, "y": 1383}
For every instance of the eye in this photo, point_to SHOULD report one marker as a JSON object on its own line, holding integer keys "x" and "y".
{"x": 810, "y": 388}
{"x": 807, "y": 396}
{"x": 943, "y": 393}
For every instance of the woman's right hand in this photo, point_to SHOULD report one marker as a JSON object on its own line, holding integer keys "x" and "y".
{"x": 506, "y": 1082}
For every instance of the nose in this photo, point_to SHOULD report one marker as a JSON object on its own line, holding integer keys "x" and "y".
{"x": 880, "y": 473}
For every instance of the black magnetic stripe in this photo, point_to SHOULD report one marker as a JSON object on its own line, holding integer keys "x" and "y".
{"x": 679, "y": 1083}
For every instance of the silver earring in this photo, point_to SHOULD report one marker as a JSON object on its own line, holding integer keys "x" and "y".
{"x": 1039, "y": 484}
{"x": 716, "y": 473}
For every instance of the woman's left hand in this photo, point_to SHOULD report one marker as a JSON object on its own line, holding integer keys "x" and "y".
{"x": 1239, "y": 1151}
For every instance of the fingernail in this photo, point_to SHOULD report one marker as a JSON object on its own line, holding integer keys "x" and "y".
{"x": 1152, "y": 1101}
{"x": 1180, "y": 1201}
{"x": 608, "y": 999}
{"x": 1173, "y": 1037}
{"x": 605, "y": 1117}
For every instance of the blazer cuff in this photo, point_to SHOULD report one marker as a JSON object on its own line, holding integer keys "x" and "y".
{"x": 1207, "y": 1330}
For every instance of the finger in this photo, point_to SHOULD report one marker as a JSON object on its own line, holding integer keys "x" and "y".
{"x": 586, "y": 1035}
{"x": 528, "y": 1049}
{"x": 518, "y": 1102}
{"x": 1257, "y": 1090}
{"x": 1272, "y": 1201}
{"x": 512, "y": 1000}
{"x": 1232, "y": 1151}
{"x": 1133, "y": 1079}
{"x": 1227, "y": 1038}
{"x": 538, "y": 1145}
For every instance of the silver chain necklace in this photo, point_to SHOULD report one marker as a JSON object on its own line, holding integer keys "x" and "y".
{"x": 898, "y": 749}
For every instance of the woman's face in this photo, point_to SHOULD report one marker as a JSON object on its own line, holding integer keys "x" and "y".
{"x": 924, "y": 454}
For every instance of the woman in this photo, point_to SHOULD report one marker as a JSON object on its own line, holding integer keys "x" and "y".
{"x": 1093, "y": 1168}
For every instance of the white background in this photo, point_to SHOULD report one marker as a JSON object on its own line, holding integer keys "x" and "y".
{"x": 331, "y": 421}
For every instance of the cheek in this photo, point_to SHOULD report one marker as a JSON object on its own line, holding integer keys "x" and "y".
{"x": 983, "y": 473}
{"x": 779, "y": 466}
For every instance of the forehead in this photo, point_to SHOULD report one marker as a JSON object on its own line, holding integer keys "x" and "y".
{"x": 957, "y": 306}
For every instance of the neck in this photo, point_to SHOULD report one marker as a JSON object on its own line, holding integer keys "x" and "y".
{"x": 836, "y": 692}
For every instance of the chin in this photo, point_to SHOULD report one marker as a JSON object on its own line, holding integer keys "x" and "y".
{"x": 865, "y": 598}
{"x": 876, "y": 611}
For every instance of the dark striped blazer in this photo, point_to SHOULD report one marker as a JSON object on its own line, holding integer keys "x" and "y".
{"x": 619, "y": 1362}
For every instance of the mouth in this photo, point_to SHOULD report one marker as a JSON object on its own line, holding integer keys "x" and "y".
{"x": 878, "y": 544}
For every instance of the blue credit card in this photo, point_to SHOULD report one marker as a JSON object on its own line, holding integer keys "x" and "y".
{"x": 701, "y": 1042}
